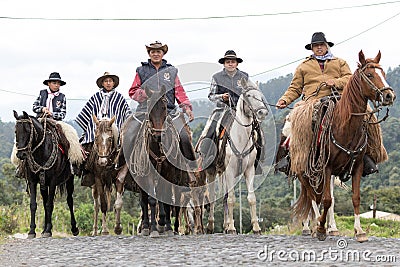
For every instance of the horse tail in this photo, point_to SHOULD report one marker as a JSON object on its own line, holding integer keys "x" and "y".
{"x": 303, "y": 205}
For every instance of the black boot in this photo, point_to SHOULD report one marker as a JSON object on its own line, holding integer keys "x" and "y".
{"x": 283, "y": 165}
{"x": 87, "y": 179}
{"x": 370, "y": 166}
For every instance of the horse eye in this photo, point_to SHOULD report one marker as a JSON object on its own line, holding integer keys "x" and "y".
{"x": 369, "y": 75}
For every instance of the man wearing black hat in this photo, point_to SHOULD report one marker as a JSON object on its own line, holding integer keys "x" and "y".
{"x": 320, "y": 75}
{"x": 225, "y": 91}
{"x": 50, "y": 101}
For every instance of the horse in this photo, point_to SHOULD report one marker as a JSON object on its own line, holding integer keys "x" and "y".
{"x": 153, "y": 166}
{"x": 38, "y": 145}
{"x": 101, "y": 160}
{"x": 237, "y": 156}
{"x": 340, "y": 153}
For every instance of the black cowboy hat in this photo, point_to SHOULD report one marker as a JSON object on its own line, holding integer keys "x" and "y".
{"x": 230, "y": 54}
{"x": 318, "y": 37}
{"x": 100, "y": 80}
{"x": 157, "y": 45}
{"x": 54, "y": 76}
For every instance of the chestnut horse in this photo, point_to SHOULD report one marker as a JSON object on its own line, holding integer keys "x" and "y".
{"x": 343, "y": 144}
{"x": 39, "y": 146}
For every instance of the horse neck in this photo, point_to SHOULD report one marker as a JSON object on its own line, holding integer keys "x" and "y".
{"x": 352, "y": 101}
{"x": 38, "y": 132}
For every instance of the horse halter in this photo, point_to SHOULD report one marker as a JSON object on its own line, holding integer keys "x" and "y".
{"x": 254, "y": 111}
{"x": 112, "y": 152}
{"x": 32, "y": 132}
{"x": 378, "y": 91}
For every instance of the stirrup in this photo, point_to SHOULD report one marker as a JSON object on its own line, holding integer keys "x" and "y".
{"x": 283, "y": 165}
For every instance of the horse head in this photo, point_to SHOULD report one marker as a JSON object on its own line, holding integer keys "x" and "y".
{"x": 255, "y": 100}
{"x": 156, "y": 110}
{"x": 106, "y": 138}
{"x": 27, "y": 130}
{"x": 374, "y": 77}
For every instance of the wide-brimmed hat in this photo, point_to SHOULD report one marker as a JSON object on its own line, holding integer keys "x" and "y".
{"x": 100, "y": 80}
{"x": 54, "y": 76}
{"x": 230, "y": 54}
{"x": 157, "y": 45}
{"x": 318, "y": 37}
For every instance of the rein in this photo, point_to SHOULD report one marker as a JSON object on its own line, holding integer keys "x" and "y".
{"x": 34, "y": 166}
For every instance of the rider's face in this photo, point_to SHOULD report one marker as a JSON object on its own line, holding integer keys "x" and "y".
{"x": 156, "y": 56}
{"x": 319, "y": 49}
{"x": 230, "y": 64}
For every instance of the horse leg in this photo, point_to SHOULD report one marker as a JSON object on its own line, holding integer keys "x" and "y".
{"x": 33, "y": 208}
{"x": 96, "y": 207}
{"x": 49, "y": 209}
{"x": 144, "y": 203}
{"x": 153, "y": 228}
{"x": 306, "y": 225}
{"x": 230, "y": 202}
{"x": 198, "y": 200}
{"x": 359, "y": 233}
{"x": 105, "y": 203}
{"x": 70, "y": 202}
{"x": 162, "y": 215}
{"x": 251, "y": 198}
{"x": 168, "y": 228}
{"x": 327, "y": 201}
{"x": 178, "y": 212}
{"x": 119, "y": 187}
{"x": 211, "y": 198}
{"x": 332, "y": 228}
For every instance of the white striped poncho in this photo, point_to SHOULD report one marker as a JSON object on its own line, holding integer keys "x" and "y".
{"x": 118, "y": 107}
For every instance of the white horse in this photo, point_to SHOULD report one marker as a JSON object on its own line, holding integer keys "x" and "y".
{"x": 240, "y": 155}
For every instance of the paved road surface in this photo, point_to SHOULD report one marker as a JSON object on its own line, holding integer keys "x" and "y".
{"x": 204, "y": 250}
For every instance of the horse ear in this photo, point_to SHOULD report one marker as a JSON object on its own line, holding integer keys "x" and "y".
{"x": 96, "y": 121}
{"x": 15, "y": 114}
{"x": 361, "y": 58}
{"x": 378, "y": 57}
{"x": 243, "y": 82}
{"x": 111, "y": 121}
{"x": 25, "y": 114}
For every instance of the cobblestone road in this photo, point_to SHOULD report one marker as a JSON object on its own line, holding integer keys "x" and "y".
{"x": 203, "y": 250}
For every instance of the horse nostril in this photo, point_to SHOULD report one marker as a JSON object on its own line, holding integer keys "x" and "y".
{"x": 262, "y": 113}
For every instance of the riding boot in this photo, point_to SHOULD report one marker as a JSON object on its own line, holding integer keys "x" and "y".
{"x": 260, "y": 157}
{"x": 87, "y": 179}
{"x": 370, "y": 166}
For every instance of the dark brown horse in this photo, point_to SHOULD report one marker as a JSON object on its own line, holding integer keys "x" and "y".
{"x": 343, "y": 144}
{"x": 48, "y": 165}
{"x": 150, "y": 162}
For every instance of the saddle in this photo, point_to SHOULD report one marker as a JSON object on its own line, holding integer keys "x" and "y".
{"x": 56, "y": 129}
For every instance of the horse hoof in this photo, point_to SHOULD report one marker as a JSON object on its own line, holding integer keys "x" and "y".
{"x": 257, "y": 232}
{"x": 170, "y": 233}
{"x": 361, "y": 237}
{"x": 105, "y": 233}
{"x": 46, "y": 234}
{"x": 209, "y": 231}
{"x": 145, "y": 232}
{"x": 154, "y": 234}
{"x": 333, "y": 233}
{"x": 118, "y": 230}
{"x": 31, "y": 236}
{"x": 321, "y": 235}
{"x": 231, "y": 232}
{"x": 75, "y": 232}
{"x": 160, "y": 229}
{"x": 306, "y": 233}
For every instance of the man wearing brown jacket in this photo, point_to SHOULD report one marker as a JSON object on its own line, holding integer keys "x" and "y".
{"x": 320, "y": 75}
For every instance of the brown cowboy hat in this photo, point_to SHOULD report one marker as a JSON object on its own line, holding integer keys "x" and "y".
{"x": 230, "y": 54}
{"x": 100, "y": 80}
{"x": 318, "y": 37}
{"x": 54, "y": 76}
{"x": 157, "y": 45}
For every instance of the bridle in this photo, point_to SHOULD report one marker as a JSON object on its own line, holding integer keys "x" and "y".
{"x": 35, "y": 167}
{"x": 378, "y": 91}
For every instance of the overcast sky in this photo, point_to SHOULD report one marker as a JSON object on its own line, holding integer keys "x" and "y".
{"x": 270, "y": 41}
